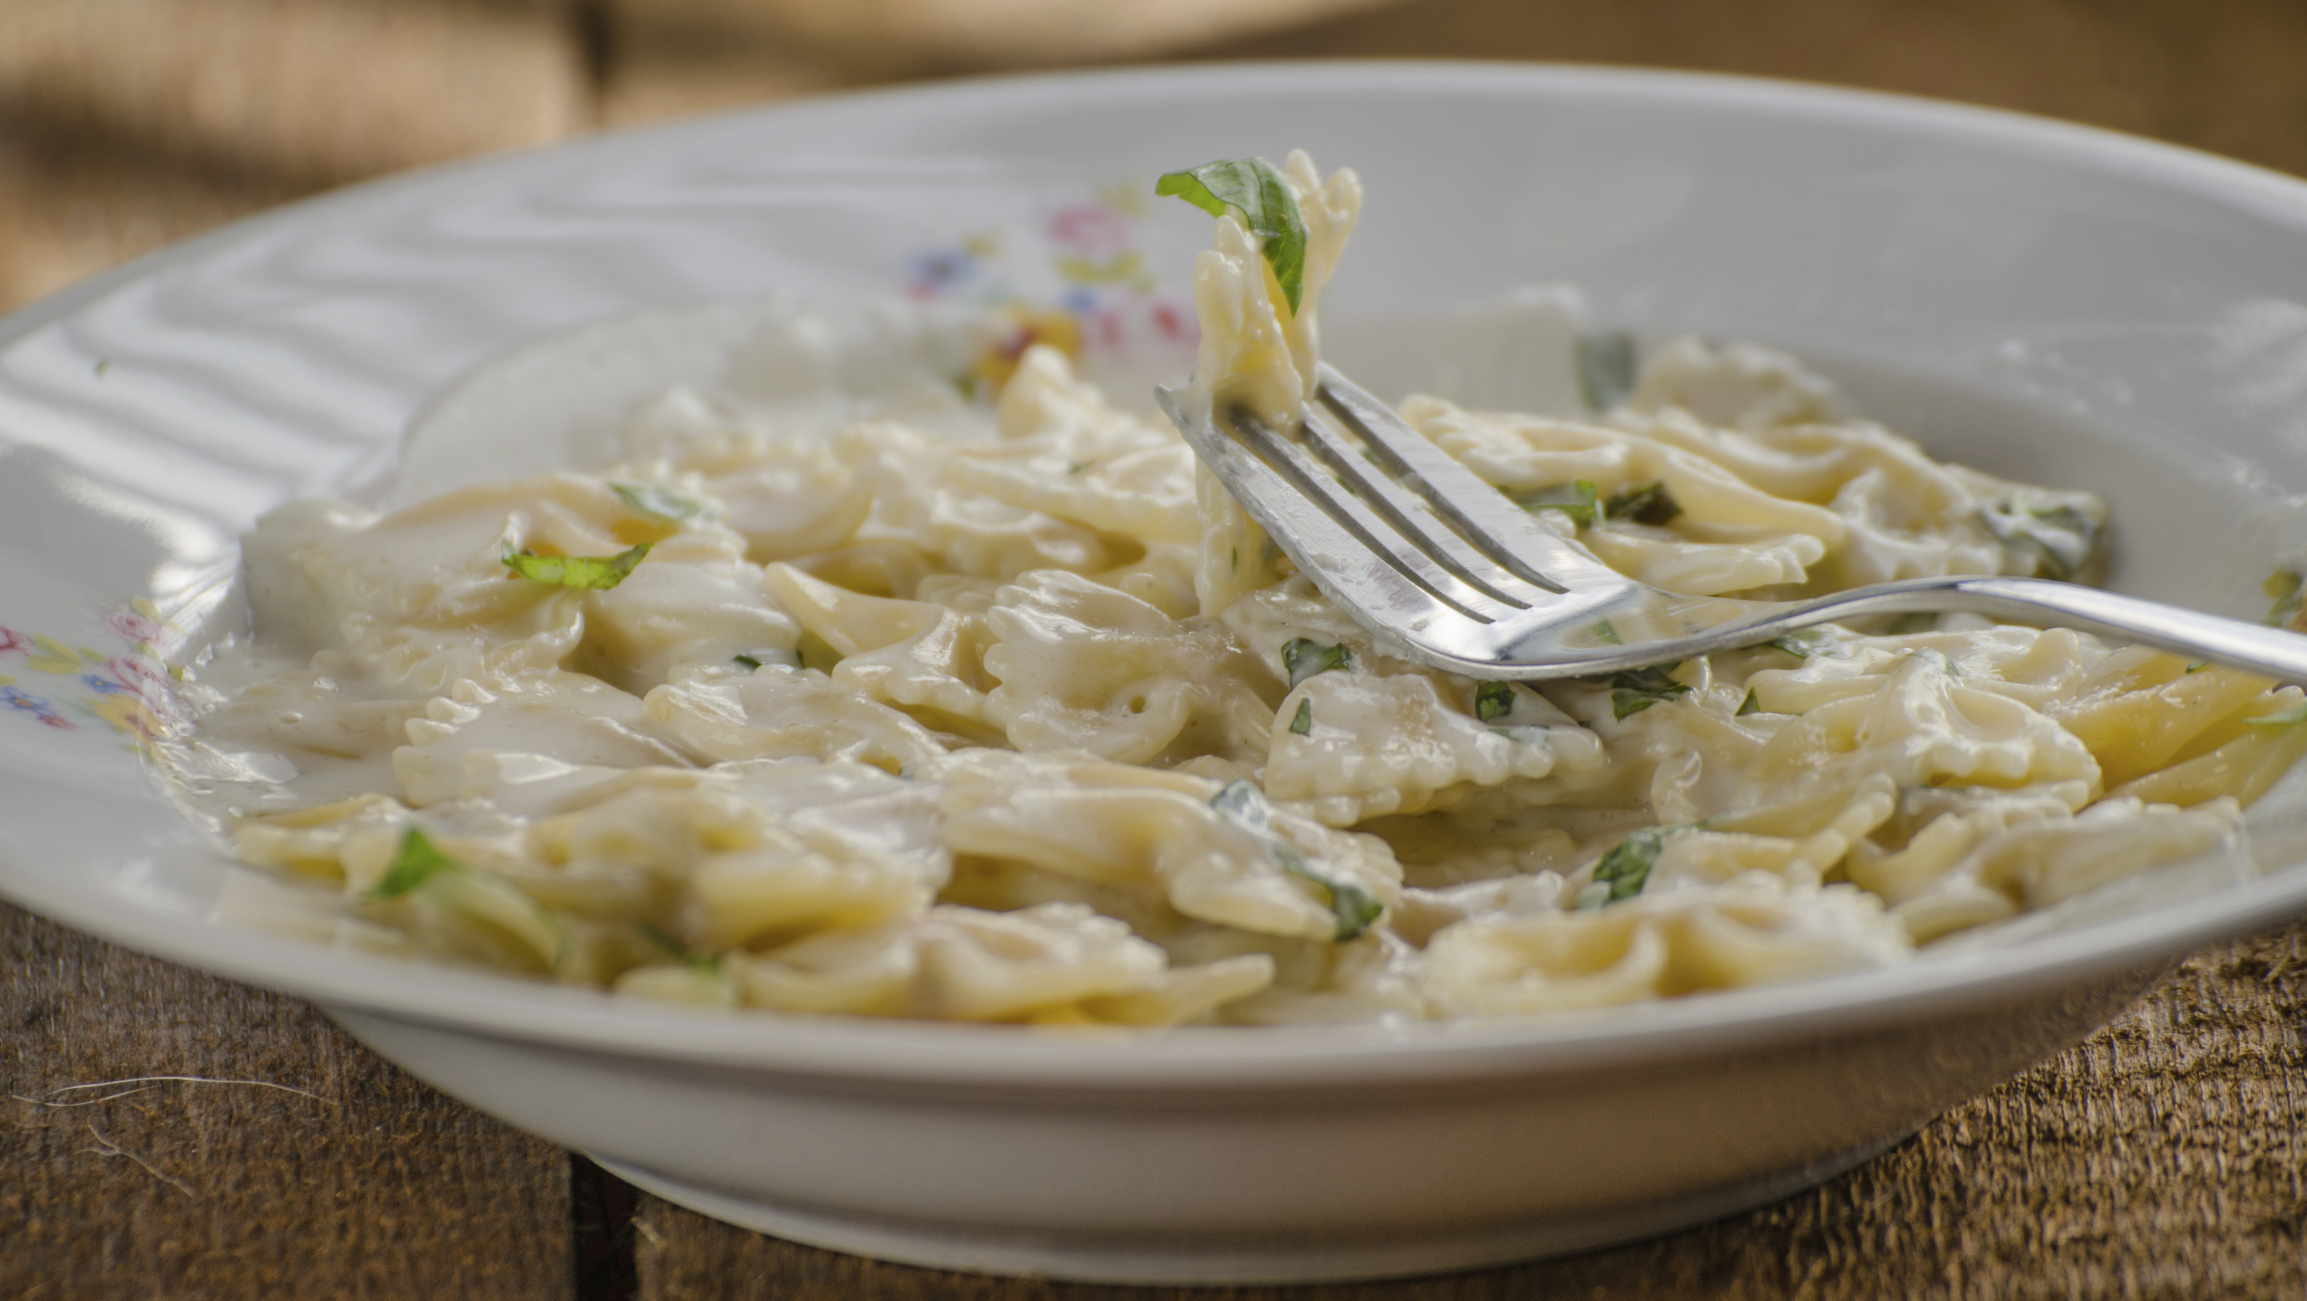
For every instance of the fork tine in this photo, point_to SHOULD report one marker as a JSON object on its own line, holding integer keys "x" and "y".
{"x": 1412, "y": 516}
{"x": 1333, "y": 539}
{"x": 1503, "y": 532}
{"x": 1296, "y": 467}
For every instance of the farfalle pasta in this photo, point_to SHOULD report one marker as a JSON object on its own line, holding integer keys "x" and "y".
{"x": 1032, "y": 723}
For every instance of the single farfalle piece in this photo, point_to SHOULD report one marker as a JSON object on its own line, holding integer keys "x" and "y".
{"x": 1085, "y": 667}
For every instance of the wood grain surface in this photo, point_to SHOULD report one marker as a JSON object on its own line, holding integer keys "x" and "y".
{"x": 2163, "y": 1158}
{"x": 324, "y": 1172}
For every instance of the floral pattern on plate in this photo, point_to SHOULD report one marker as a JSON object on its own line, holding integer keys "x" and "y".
{"x": 130, "y": 692}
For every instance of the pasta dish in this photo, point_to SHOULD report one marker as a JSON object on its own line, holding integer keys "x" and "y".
{"x": 1036, "y": 725}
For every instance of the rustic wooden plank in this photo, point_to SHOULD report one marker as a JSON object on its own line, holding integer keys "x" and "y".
{"x": 319, "y": 90}
{"x": 362, "y": 1183}
{"x": 2162, "y": 1158}
{"x": 127, "y": 124}
{"x": 2223, "y": 77}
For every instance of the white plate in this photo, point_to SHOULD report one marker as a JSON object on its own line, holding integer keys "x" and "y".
{"x": 2049, "y": 302}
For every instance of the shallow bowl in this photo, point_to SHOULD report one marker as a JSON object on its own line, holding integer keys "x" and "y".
{"x": 2048, "y": 302}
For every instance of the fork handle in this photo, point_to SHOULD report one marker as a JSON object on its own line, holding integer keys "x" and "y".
{"x": 2273, "y": 651}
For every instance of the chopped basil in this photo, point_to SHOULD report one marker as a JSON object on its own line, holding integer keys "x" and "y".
{"x": 1493, "y": 700}
{"x": 661, "y": 504}
{"x": 2060, "y": 538}
{"x": 585, "y": 573}
{"x": 1635, "y": 690}
{"x": 747, "y": 660}
{"x": 1251, "y": 188}
{"x": 1751, "y": 705}
{"x": 1578, "y": 499}
{"x": 417, "y": 862}
{"x": 1606, "y": 365}
{"x": 1244, "y": 805}
{"x": 2284, "y": 587}
{"x": 1607, "y": 631}
{"x": 2197, "y": 666}
{"x": 2281, "y": 718}
{"x": 1303, "y": 657}
{"x": 1303, "y": 722}
{"x": 1648, "y": 504}
{"x": 1626, "y": 868}
{"x": 1806, "y": 642}
{"x": 703, "y": 963}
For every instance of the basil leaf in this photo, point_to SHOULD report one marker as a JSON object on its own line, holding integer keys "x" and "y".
{"x": 1303, "y": 657}
{"x": 2197, "y": 666}
{"x": 1493, "y": 700}
{"x": 584, "y": 573}
{"x": 2285, "y": 587}
{"x": 661, "y": 504}
{"x": 1635, "y": 690}
{"x": 703, "y": 963}
{"x": 1607, "y": 631}
{"x": 1626, "y": 868}
{"x": 1806, "y": 642}
{"x": 1606, "y": 366}
{"x": 417, "y": 862}
{"x": 1751, "y": 705}
{"x": 747, "y": 660}
{"x": 1577, "y": 499}
{"x": 1251, "y": 188}
{"x": 1648, "y": 504}
{"x": 1304, "y": 722}
{"x": 2281, "y": 718}
{"x": 2061, "y": 538}
{"x": 1354, "y": 908}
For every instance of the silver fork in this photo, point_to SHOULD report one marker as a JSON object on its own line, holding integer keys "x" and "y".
{"x": 1445, "y": 570}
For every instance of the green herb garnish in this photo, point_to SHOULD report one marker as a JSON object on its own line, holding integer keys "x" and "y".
{"x": 1254, "y": 191}
{"x": 1578, "y": 499}
{"x": 2282, "y": 718}
{"x": 1303, "y": 657}
{"x": 1635, "y": 690}
{"x": 1626, "y": 868}
{"x": 417, "y": 862}
{"x": 661, "y": 504}
{"x": 1606, "y": 365}
{"x": 1607, "y": 631}
{"x": 1493, "y": 700}
{"x": 1244, "y": 805}
{"x": 2061, "y": 537}
{"x": 2197, "y": 666}
{"x": 1751, "y": 705}
{"x": 747, "y": 660}
{"x": 1806, "y": 642}
{"x": 584, "y": 573}
{"x": 2284, "y": 587}
{"x": 708, "y": 964}
{"x": 1304, "y": 721}
{"x": 1648, "y": 504}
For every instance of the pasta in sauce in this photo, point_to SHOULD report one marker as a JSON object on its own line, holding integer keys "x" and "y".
{"x": 1038, "y": 726}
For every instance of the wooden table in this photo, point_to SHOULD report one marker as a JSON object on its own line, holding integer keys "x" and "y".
{"x": 2161, "y": 1158}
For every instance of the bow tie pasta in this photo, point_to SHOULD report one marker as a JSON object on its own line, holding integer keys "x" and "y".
{"x": 888, "y": 704}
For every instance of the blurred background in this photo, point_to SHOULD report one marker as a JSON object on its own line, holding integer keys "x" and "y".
{"x": 126, "y": 124}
